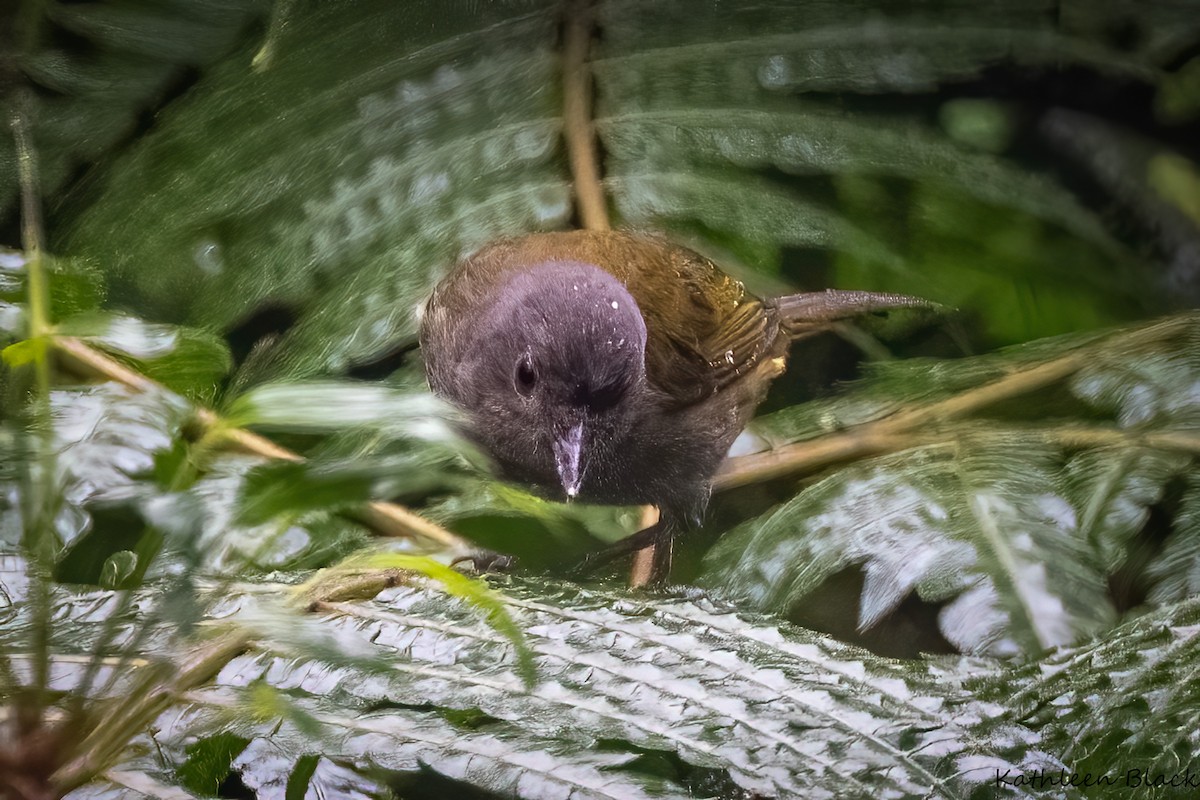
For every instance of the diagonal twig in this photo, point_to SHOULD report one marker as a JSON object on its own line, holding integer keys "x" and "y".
{"x": 902, "y": 429}
{"x": 385, "y": 518}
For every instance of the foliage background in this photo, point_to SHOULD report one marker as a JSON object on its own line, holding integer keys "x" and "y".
{"x": 247, "y": 200}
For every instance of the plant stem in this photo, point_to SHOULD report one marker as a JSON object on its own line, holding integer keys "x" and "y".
{"x": 129, "y": 716}
{"x": 577, "y": 118}
{"x": 40, "y": 504}
{"x": 904, "y": 429}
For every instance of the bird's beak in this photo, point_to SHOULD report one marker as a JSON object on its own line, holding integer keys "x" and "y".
{"x": 568, "y": 452}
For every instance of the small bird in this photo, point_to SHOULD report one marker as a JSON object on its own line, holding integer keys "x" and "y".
{"x": 613, "y": 367}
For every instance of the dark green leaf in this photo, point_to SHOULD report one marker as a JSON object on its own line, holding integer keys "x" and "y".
{"x": 210, "y": 761}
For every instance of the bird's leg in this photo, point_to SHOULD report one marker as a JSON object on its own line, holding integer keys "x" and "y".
{"x": 651, "y": 564}
{"x": 659, "y": 534}
{"x": 660, "y": 564}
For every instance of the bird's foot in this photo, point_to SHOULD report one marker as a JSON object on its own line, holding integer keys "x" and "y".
{"x": 657, "y": 535}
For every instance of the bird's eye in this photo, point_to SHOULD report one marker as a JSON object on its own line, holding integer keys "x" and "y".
{"x": 525, "y": 377}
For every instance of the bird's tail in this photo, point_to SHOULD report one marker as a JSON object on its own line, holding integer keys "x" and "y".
{"x": 806, "y": 314}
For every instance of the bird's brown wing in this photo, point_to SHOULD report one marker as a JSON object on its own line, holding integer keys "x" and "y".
{"x": 704, "y": 331}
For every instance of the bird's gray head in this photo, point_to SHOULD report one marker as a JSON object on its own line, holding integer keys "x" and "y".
{"x": 558, "y": 358}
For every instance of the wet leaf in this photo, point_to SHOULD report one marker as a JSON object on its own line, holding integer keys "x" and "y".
{"x": 209, "y": 762}
{"x": 1015, "y": 529}
{"x": 118, "y": 569}
{"x": 1176, "y": 570}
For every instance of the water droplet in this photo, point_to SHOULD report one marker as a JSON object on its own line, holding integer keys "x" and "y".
{"x": 615, "y": 305}
{"x": 775, "y": 72}
{"x": 207, "y": 256}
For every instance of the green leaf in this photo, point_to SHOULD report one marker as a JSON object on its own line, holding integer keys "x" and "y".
{"x": 475, "y": 592}
{"x": 1124, "y": 702}
{"x": 410, "y": 160}
{"x": 204, "y": 521}
{"x": 329, "y": 407}
{"x": 399, "y": 160}
{"x": 1113, "y": 490}
{"x": 775, "y": 709}
{"x": 978, "y": 529}
{"x": 25, "y": 352}
{"x": 542, "y": 534}
{"x": 209, "y": 762}
{"x": 1176, "y": 570}
{"x": 1015, "y": 524}
{"x": 781, "y": 712}
{"x": 293, "y": 488}
{"x": 186, "y": 360}
{"x": 121, "y": 58}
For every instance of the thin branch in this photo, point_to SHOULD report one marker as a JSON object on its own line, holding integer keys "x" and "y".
{"x": 388, "y": 519}
{"x": 903, "y": 429}
{"x": 578, "y": 129}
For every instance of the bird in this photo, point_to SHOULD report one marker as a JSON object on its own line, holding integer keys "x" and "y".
{"x": 613, "y": 367}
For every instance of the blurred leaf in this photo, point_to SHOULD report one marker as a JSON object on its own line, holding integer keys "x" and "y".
{"x": 1121, "y": 160}
{"x": 540, "y": 533}
{"x": 270, "y": 771}
{"x": 205, "y": 521}
{"x": 185, "y": 360}
{"x": 1178, "y": 182}
{"x": 290, "y": 488}
{"x": 330, "y": 407}
{"x": 419, "y": 162}
{"x": 25, "y": 352}
{"x": 109, "y": 436}
{"x": 715, "y": 124}
{"x": 209, "y": 762}
{"x": 983, "y": 124}
{"x": 1022, "y": 277}
{"x": 98, "y": 66}
{"x": 266, "y": 704}
{"x": 1159, "y": 29}
{"x": 1178, "y": 97}
{"x": 118, "y": 569}
{"x": 75, "y": 288}
{"x": 1176, "y": 570}
{"x": 1113, "y": 490}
